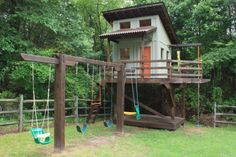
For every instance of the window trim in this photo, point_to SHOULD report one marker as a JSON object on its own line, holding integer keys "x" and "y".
{"x": 125, "y": 22}
{"x": 145, "y": 23}
{"x": 128, "y": 53}
{"x": 162, "y": 53}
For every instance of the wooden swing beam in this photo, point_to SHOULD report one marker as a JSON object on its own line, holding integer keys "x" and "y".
{"x": 61, "y": 61}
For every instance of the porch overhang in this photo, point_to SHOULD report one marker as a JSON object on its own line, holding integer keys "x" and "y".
{"x": 128, "y": 33}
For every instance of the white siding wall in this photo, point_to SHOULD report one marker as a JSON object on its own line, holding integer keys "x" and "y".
{"x": 159, "y": 39}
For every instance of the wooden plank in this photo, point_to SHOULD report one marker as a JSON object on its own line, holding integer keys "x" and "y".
{"x": 186, "y": 45}
{"x": 120, "y": 95}
{"x": 186, "y": 68}
{"x": 44, "y": 100}
{"x": 59, "y": 105}
{"x": 224, "y": 122}
{"x": 9, "y": 112}
{"x": 9, "y": 100}
{"x": 146, "y": 107}
{"x": 225, "y": 114}
{"x": 91, "y": 61}
{"x": 151, "y": 121}
{"x": 186, "y": 61}
{"x": 226, "y": 106}
{"x": 8, "y": 123}
{"x": 185, "y": 75}
{"x": 20, "y": 118}
{"x": 43, "y": 59}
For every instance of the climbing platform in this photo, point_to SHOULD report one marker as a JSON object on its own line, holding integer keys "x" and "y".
{"x": 154, "y": 121}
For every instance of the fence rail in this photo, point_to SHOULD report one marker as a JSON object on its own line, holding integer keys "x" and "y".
{"x": 167, "y": 68}
{"x": 216, "y": 114}
{"x": 20, "y": 111}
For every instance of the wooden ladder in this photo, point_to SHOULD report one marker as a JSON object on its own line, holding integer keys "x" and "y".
{"x": 95, "y": 106}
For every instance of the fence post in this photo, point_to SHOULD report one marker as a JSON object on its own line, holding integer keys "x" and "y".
{"x": 214, "y": 114}
{"x": 76, "y": 108}
{"x": 20, "y": 113}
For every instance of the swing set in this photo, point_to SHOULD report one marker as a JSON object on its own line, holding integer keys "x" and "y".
{"x": 61, "y": 61}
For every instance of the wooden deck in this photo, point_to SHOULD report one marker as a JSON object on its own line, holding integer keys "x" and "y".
{"x": 164, "y": 80}
{"x": 153, "y": 121}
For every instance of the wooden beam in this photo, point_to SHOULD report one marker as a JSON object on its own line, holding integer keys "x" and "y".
{"x": 91, "y": 61}
{"x": 59, "y": 105}
{"x": 120, "y": 95}
{"x": 186, "y": 45}
{"x": 146, "y": 107}
{"x": 43, "y": 59}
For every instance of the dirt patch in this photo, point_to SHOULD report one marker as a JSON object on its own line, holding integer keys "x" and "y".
{"x": 191, "y": 131}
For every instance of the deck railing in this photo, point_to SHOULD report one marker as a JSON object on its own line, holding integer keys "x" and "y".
{"x": 163, "y": 69}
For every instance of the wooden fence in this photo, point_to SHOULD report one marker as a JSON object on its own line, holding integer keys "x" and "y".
{"x": 20, "y": 111}
{"x": 217, "y": 114}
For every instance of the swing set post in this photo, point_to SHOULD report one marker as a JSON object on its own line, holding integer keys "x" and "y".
{"x": 59, "y": 105}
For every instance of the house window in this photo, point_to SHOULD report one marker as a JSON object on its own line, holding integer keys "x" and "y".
{"x": 144, "y": 23}
{"x": 124, "y": 25}
{"x": 167, "y": 54}
{"x": 162, "y": 53}
{"x": 124, "y": 53}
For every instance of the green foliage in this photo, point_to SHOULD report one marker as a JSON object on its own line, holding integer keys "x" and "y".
{"x": 217, "y": 95}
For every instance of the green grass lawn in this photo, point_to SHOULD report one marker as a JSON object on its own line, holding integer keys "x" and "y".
{"x": 99, "y": 141}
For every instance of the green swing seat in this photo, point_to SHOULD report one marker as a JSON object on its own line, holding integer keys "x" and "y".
{"x": 40, "y": 137}
{"x": 82, "y": 129}
{"x": 137, "y": 110}
{"x": 108, "y": 123}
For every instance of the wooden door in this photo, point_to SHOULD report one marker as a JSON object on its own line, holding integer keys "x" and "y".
{"x": 147, "y": 64}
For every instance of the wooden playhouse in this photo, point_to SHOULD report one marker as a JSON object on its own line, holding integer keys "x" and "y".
{"x": 144, "y": 40}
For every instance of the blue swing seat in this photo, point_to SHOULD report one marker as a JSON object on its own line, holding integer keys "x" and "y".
{"x": 108, "y": 123}
{"x": 83, "y": 129}
{"x": 40, "y": 137}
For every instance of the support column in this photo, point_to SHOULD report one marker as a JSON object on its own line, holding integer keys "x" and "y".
{"x": 120, "y": 96}
{"x": 59, "y": 105}
{"x": 108, "y": 51}
{"x": 183, "y": 86}
{"x": 142, "y": 57}
{"x": 171, "y": 99}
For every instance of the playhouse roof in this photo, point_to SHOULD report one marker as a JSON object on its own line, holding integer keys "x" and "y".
{"x": 128, "y": 32}
{"x": 143, "y": 10}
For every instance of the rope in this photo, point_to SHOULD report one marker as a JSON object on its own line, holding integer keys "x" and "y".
{"x": 34, "y": 102}
{"x": 46, "y": 112}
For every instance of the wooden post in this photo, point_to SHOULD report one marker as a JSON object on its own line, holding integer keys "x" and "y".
{"x": 59, "y": 105}
{"x": 76, "y": 108}
{"x": 120, "y": 96}
{"x": 142, "y": 57}
{"x": 20, "y": 119}
{"x": 214, "y": 121}
{"x": 183, "y": 101}
{"x": 108, "y": 51}
{"x": 198, "y": 58}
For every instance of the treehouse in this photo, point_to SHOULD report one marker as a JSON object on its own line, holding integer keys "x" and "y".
{"x": 144, "y": 40}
